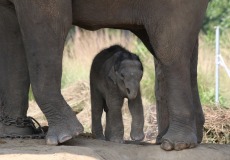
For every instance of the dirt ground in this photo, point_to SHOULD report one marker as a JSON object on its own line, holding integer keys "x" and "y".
{"x": 83, "y": 148}
{"x": 89, "y": 149}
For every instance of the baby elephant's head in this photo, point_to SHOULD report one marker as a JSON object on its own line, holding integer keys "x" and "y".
{"x": 128, "y": 72}
{"x": 129, "y": 76}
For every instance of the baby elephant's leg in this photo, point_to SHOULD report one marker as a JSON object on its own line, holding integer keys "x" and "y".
{"x": 136, "y": 110}
{"x": 114, "y": 130}
{"x": 97, "y": 103}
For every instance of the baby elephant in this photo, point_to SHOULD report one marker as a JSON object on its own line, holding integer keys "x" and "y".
{"x": 116, "y": 74}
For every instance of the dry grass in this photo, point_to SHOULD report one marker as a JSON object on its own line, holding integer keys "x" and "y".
{"x": 217, "y": 125}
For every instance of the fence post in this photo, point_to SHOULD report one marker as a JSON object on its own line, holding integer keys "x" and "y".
{"x": 217, "y": 65}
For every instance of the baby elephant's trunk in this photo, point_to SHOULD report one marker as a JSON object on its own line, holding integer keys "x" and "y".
{"x": 132, "y": 89}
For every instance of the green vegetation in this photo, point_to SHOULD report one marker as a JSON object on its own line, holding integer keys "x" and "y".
{"x": 218, "y": 14}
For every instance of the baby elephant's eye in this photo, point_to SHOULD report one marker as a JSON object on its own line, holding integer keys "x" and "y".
{"x": 122, "y": 75}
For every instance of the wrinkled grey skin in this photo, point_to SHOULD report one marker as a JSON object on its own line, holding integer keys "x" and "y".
{"x": 169, "y": 29}
{"x": 116, "y": 74}
{"x": 32, "y": 40}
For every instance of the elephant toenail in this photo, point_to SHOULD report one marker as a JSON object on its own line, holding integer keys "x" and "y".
{"x": 65, "y": 138}
{"x": 166, "y": 145}
{"x": 180, "y": 146}
{"x": 51, "y": 140}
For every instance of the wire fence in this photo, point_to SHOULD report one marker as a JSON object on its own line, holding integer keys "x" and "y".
{"x": 219, "y": 63}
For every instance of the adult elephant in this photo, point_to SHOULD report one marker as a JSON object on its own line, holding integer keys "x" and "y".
{"x": 169, "y": 29}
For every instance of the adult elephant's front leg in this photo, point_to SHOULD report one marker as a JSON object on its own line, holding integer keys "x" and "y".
{"x": 44, "y": 25}
{"x": 181, "y": 133}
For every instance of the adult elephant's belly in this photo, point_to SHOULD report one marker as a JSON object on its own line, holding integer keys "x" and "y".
{"x": 93, "y": 15}
{"x": 4, "y": 2}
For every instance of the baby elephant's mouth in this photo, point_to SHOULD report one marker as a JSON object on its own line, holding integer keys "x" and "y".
{"x": 130, "y": 94}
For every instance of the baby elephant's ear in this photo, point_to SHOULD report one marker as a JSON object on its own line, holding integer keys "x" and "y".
{"x": 112, "y": 75}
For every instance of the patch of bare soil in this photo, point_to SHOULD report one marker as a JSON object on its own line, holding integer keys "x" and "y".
{"x": 216, "y": 130}
{"x": 90, "y": 149}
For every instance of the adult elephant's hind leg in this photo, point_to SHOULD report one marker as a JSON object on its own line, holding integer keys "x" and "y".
{"x": 181, "y": 133}
{"x": 196, "y": 98}
{"x": 44, "y": 26}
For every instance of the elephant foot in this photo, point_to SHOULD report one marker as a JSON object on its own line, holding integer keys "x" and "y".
{"x": 19, "y": 127}
{"x": 63, "y": 123}
{"x": 178, "y": 139}
{"x": 64, "y": 131}
{"x": 137, "y": 135}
